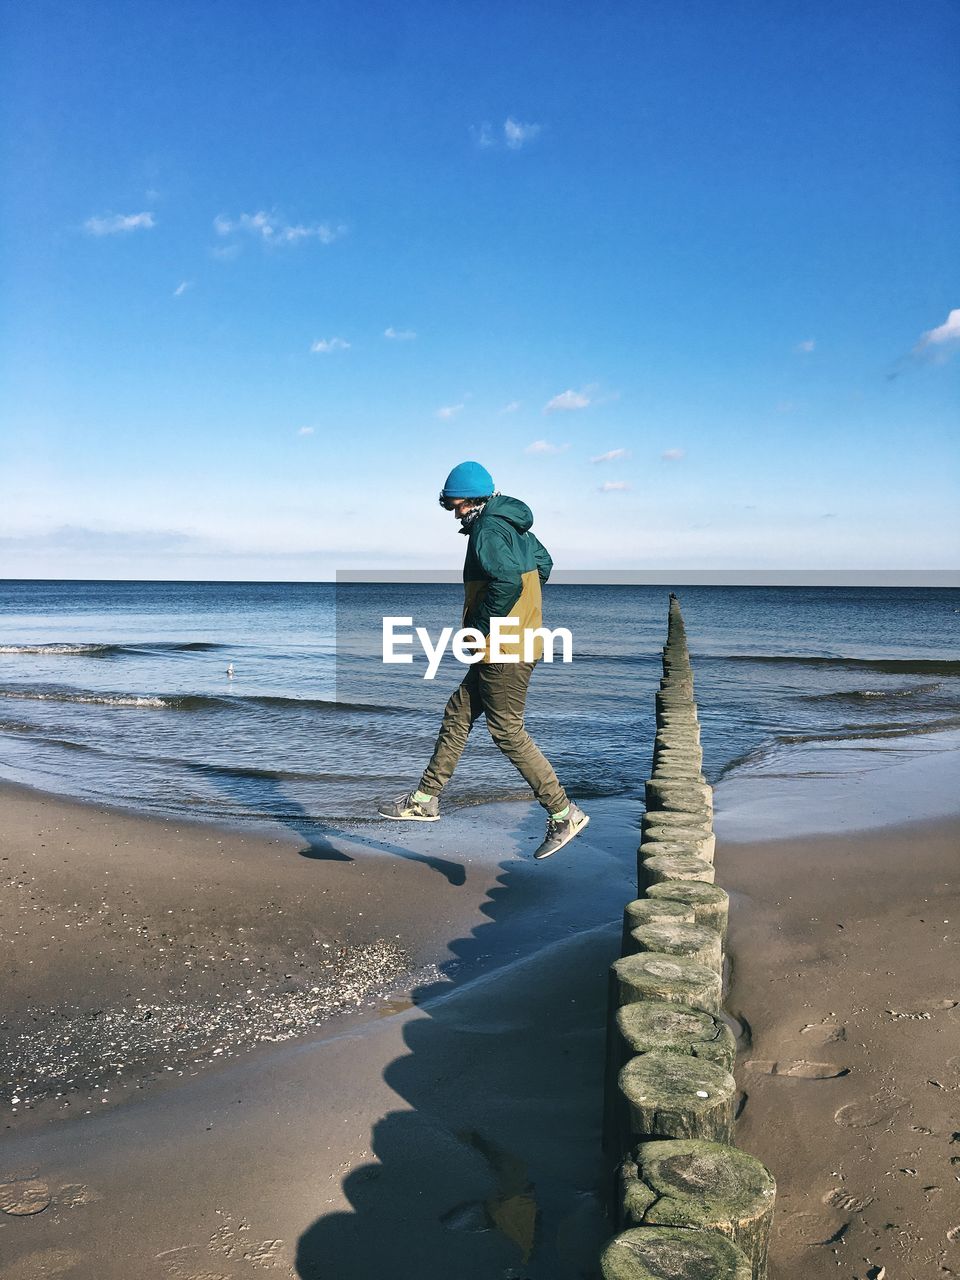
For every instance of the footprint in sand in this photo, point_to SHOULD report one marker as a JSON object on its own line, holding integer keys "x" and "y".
{"x": 233, "y": 1241}
{"x": 825, "y": 1032}
{"x": 47, "y": 1262}
{"x": 837, "y": 1198}
{"x": 866, "y": 1114}
{"x": 73, "y": 1194}
{"x": 799, "y": 1070}
{"x": 183, "y": 1264}
{"x": 24, "y": 1197}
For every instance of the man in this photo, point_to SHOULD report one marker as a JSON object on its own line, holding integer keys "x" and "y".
{"x": 503, "y": 572}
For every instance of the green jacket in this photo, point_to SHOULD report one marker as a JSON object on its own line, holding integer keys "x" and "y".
{"x": 504, "y": 570}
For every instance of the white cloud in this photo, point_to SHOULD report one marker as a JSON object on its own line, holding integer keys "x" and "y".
{"x": 118, "y": 223}
{"x": 182, "y": 288}
{"x": 306, "y": 431}
{"x": 613, "y": 486}
{"x": 271, "y": 229}
{"x": 512, "y": 407}
{"x": 806, "y": 346}
{"x": 567, "y": 400}
{"x": 613, "y": 455}
{"x": 673, "y": 455}
{"x": 516, "y": 134}
{"x": 448, "y": 411}
{"x": 484, "y": 136}
{"x": 545, "y": 447}
{"x": 399, "y": 335}
{"x": 323, "y": 346}
{"x": 949, "y": 331}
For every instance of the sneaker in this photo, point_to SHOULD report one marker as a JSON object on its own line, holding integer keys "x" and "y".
{"x": 561, "y": 831}
{"x": 407, "y": 809}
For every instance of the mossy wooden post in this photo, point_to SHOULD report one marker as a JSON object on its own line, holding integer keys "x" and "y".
{"x": 671, "y": 1095}
{"x": 694, "y": 818}
{"x": 678, "y": 795}
{"x": 678, "y": 742}
{"x": 702, "y": 1184}
{"x": 643, "y": 977}
{"x": 676, "y": 866}
{"x": 655, "y": 1026}
{"x": 672, "y": 847}
{"x": 649, "y": 976}
{"x": 679, "y": 737}
{"x": 678, "y": 752}
{"x": 649, "y": 911}
{"x": 704, "y": 843}
{"x": 673, "y": 938}
{"x": 672, "y": 1253}
{"x": 711, "y": 904}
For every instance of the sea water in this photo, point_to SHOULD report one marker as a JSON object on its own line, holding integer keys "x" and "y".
{"x": 122, "y": 692}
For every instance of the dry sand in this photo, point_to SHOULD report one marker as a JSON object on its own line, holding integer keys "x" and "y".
{"x": 454, "y": 1131}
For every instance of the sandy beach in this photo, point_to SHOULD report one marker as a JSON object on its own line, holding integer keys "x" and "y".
{"x": 410, "y": 1036}
{"x": 845, "y": 966}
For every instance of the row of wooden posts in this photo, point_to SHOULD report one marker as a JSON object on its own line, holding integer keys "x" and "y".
{"x": 688, "y": 1204}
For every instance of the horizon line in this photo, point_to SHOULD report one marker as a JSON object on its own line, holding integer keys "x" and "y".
{"x": 944, "y": 578}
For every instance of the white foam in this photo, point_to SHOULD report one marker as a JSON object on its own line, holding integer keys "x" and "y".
{"x": 98, "y": 699}
{"x": 51, "y": 649}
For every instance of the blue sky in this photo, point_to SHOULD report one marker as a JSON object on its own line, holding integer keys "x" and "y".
{"x": 682, "y": 275}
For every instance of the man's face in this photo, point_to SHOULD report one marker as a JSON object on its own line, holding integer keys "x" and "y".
{"x": 460, "y": 506}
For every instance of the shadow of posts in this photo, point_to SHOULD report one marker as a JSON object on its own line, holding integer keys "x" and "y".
{"x": 492, "y": 1165}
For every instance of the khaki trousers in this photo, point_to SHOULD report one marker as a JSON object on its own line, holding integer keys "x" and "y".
{"x": 497, "y": 690}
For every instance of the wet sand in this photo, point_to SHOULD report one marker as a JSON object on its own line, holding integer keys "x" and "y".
{"x": 451, "y": 1127}
{"x": 846, "y": 967}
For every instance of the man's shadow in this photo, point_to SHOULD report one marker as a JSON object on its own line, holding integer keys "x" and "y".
{"x": 323, "y": 841}
{"x": 492, "y": 1166}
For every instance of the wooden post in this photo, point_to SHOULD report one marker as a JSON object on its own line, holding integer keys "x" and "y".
{"x": 649, "y": 976}
{"x": 654, "y": 1026}
{"x": 672, "y": 938}
{"x": 676, "y": 866}
{"x": 711, "y": 904}
{"x": 673, "y": 1095}
{"x": 672, "y": 1253}
{"x": 702, "y": 1184}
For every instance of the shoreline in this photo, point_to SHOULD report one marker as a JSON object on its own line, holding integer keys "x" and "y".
{"x": 456, "y": 1126}
{"x": 158, "y": 946}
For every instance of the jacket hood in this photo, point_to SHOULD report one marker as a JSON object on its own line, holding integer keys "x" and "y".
{"x": 512, "y": 510}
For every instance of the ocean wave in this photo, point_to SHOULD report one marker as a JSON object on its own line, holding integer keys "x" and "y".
{"x": 882, "y": 731}
{"x": 197, "y": 701}
{"x": 380, "y": 708}
{"x": 95, "y": 699}
{"x": 891, "y": 729}
{"x": 870, "y": 695}
{"x": 105, "y": 650}
{"x": 58, "y": 650}
{"x": 887, "y": 666}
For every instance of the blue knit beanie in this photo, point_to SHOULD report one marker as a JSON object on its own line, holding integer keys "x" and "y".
{"x": 468, "y": 480}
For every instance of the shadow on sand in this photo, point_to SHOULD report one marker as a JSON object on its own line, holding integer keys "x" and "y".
{"x": 490, "y": 1164}
{"x": 322, "y": 841}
